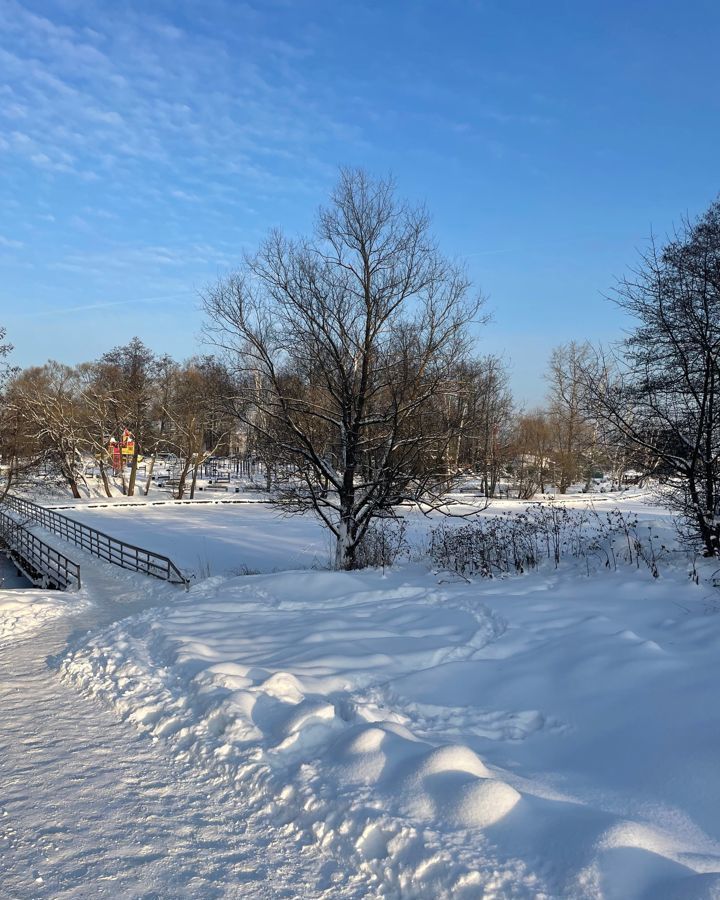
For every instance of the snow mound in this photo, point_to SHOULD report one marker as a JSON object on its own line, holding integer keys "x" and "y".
{"x": 452, "y": 759}
{"x": 480, "y": 803}
{"x": 23, "y": 612}
{"x": 453, "y": 784}
{"x": 368, "y": 754}
{"x": 282, "y": 685}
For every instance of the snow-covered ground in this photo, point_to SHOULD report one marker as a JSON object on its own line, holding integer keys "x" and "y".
{"x": 215, "y": 538}
{"x": 404, "y": 734}
{"x": 24, "y": 611}
{"x": 235, "y": 536}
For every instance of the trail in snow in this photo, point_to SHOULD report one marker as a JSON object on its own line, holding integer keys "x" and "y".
{"x": 91, "y": 808}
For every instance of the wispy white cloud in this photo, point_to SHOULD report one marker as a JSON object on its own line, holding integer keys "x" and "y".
{"x": 101, "y": 304}
{"x": 137, "y": 151}
{"x": 10, "y": 244}
{"x": 126, "y": 88}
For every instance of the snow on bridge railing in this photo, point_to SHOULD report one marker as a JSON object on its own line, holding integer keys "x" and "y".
{"x": 41, "y": 563}
{"x": 104, "y": 546}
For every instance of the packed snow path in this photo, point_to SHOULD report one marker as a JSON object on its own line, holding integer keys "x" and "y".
{"x": 89, "y": 807}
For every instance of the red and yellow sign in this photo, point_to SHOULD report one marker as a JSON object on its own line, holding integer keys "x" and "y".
{"x": 127, "y": 446}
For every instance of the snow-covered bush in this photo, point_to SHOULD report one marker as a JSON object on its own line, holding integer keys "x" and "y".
{"x": 518, "y": 542}
{"x": 382, "y": 544}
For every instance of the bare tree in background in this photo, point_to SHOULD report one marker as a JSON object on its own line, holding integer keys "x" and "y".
{"x": 195, "y": 427}
{"x": 165, "y": 371}
{"x": 491, "y": 418}
{"x": 477, "y": 411}
{"x": 532, "y": 447}
{"x": 129, "y": 373}
{"x": 20, "y": 453}
{"x": 347, "y": 340}
{"x": 660, "y": 393}
{"x": 97, "y": 415}
{"x": 49, "y": 398}
{"x": 574, "y": 433}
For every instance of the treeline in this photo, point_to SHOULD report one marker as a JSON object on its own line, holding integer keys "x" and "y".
{"x": 66, "y": 417}
{"x": 69, "y": 417}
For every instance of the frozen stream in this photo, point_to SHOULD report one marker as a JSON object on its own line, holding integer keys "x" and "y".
{"x": 10, "y": 577}
{"x": 216, "y": 539}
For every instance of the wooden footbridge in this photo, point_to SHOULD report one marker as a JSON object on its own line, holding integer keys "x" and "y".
{"x": 46, "y": 566}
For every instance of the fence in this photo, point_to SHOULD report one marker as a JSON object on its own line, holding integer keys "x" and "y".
{"x": 217, "y": 466}
{"x": 40, "y": 561}
{"x": 99, "y": 544}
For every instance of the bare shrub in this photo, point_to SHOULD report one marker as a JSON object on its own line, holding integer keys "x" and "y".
{"x": 382, "y": 544}
{"x": 519, "y": 542}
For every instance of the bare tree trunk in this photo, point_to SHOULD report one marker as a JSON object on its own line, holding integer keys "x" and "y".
{"x": 345, "y": 543}
{"x": 103, "y": 476}
{"x": 133, "y": 473}
{"x": 146, "y": 491}
{"x": 68, "y": 473}
{"x": 182, "y": 480}
{"x": 194, "y": 479}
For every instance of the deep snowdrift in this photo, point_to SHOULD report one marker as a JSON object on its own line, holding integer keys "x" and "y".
{"x": 25, "y": 610}
{"x": 544, "y": 735}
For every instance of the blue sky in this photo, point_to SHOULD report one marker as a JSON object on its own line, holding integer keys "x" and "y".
{"x": 145, "y": 145}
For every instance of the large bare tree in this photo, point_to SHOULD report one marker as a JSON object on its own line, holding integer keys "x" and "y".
{"x": 660, "y": 394}
{"x": 345, "y": 342}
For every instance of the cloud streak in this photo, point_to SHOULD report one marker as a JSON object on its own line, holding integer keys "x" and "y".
{"x": 125, "y": 90}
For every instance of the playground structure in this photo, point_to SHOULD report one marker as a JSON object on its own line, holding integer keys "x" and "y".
{"x": 217, "y": 473}
{"x": 121, "y": 451}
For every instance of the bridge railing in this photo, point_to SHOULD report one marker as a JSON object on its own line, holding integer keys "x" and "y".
{"x": 40, "y": 560}
{"x": 99, "y": 544}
